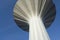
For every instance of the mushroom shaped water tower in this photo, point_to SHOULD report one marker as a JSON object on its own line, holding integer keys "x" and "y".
{"x": 35, "y": 16}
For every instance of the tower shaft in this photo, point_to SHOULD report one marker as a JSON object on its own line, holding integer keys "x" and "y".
{"x": 37, "y": 29}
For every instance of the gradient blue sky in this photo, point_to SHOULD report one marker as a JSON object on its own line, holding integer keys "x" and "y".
{"x": 10, "y": 31}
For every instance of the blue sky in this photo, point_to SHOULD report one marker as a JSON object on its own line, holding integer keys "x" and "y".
{"x": 10, "y": 31}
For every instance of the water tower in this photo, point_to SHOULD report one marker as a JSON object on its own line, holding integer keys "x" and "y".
{"x": 35, "y": 16}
